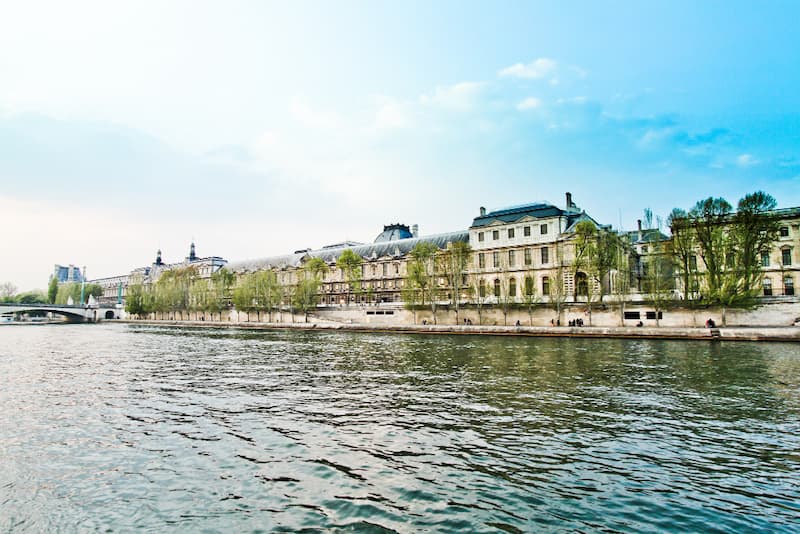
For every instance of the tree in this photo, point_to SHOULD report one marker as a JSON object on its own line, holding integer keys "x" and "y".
{"x": 411, "y": 293}
{"x": 585, "y": 232}
{"x": 478, "y": 290}
{"x": 708, "y": 218}
{"x": 135, "y": 300}
{"x": 529, "y": 296}
{"x": 622, "y": 280}
{"x": 684, "y": 245}
{"x": 659, "y": 282}
{"x": 454, "y": 261}
{"x": 7, "y": 291}
{"x": 306, "y": 292}
{"x": 753, "y": 232}
{"x": 52, "y": 290}
{"x": 305, "y": 296}
{"x": 558, "y": 290}
{"x": 350, "y": 264}
{"x": 422, "y": 272}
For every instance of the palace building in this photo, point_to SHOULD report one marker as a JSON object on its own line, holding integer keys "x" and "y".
{"x": 517, "y": 253}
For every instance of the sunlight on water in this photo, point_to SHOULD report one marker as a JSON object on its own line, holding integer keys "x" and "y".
{"x": 121, "y": 427}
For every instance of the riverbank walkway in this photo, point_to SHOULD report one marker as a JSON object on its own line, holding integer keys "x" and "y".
{"x": 737, "y": 333}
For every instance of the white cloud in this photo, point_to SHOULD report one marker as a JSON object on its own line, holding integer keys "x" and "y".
{"x": 460, "y": 97}
{"x": 391, "y": 114}
{"x": 536, "y": 69}
{"x": 746, "y": 160}
{"x": 529, "y": 103}
{"x": 314, "y": 118}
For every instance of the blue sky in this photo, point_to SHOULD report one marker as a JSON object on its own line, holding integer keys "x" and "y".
{"x": 258, "y": 128}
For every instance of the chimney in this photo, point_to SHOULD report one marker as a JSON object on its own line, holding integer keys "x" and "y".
{"x": 569, "y": 201}
{"x": 639, "y": 224}
{"x": 415, "y": 230}
{"x": 483, "y": 211}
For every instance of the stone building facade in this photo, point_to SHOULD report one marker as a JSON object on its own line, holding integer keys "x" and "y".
{"x": 518, "y": 254}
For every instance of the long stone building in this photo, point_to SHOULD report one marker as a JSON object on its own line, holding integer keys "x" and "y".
{"x": 517, "y": 252}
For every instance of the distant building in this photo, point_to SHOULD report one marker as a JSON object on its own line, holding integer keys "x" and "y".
{"x": 115, "y": 287}
{"x": 67, "y": 274}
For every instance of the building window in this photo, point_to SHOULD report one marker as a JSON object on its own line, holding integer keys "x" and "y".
{"x": 693, "y": 262}
{"x": 767, "y": 285}
{"x": 528, "y": 286}
{"x": 495, "y": 235}
{"x": 396, "y": 268}
{"x": 480, "y": 237}
{"x": 482, "y": 288}
{"x": 765, "y": 259}
{"x": 545, "y": 285}
{"x": 527, "y": 256}
{"x": 543, "y": 229}
{"x": 511, "y": 258}
{"x": 786, "y": 256}
{"x": 545, "y": 255}
{"x": 481, "y": 260}
{"x": 496, "y": 259}
{"x": 632, "y": 315}
{"x": 788, "y": 286}
{"x": 512, "y": 287}
{"x": 497, "y": 287}
{"x": 582, "y": 283}
{"x": 385, "y": 269}
{"x": 784, "y": 231}
{"x": 511, "y": 233}
{"x": 652, "y": 315}
{"x": 526, "y": 231}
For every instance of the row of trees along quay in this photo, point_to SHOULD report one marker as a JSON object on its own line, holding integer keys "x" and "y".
{"x": 729, "y": 243}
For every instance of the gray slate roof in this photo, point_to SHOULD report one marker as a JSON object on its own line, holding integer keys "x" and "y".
{"x": 392, "y": 249}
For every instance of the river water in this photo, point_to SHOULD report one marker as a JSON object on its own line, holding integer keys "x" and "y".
{"x": 116, "y": 427}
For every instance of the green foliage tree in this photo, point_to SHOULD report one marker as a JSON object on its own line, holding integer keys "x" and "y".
{"x": 583, "y": 244}
{"x": 478, "y": 291}
{"x": 423, "y": 273}
{"x": 454, "y": 261}
{"x": 350, "y": 264}
{"x": 752, "y": 233}
{"x": 684, "y": 244}
{"x": 530, "y": 296}
{"x": 306, "y": 292}
{"x": 7, "y": 291}
{"x": 136, "y": 301}
{"x": 558, "y": 290}
{"x": 708, "y": 219}
{"x": 52, "y": 290}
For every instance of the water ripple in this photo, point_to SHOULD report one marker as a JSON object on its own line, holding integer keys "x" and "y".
{"x": 121, "y": 427}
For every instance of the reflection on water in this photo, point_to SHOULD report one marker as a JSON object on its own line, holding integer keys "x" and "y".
{"x": 127, "y": 427}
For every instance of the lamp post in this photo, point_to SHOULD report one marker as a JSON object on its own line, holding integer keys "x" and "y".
{"x": 83, "y": 284}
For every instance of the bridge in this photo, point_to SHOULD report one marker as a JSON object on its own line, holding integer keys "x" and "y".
{"x": 78, "y": 314}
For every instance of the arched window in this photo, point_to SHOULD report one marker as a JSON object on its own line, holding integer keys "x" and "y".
{"x": 528, "y": 285}
{"x": 767, "y": 284}
{"x": 545, "y": 285}
{"x": 497, "y": 287}
{"x": 582, "y": 284}
{"x": 788, "y": 286}
{"x": 512, "y": 287}
{"x": 482, "y": 288}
